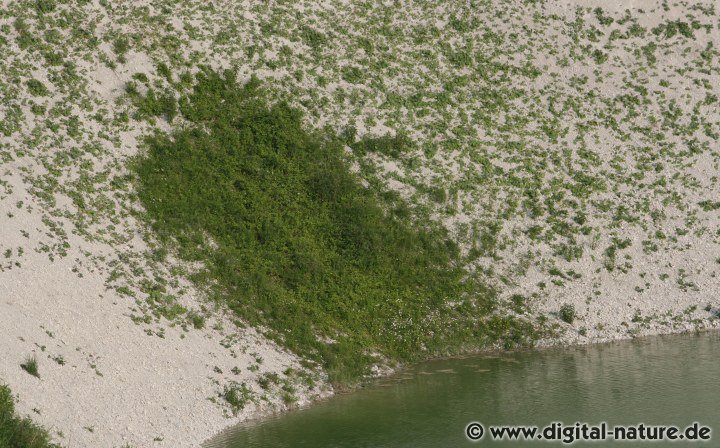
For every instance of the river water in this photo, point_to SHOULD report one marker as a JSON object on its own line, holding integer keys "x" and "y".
{"x": 664, "y": 380}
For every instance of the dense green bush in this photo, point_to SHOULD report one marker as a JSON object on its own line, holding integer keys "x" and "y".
{"x": 292, "y": 240}
{"x": 567, "y": 313}
{"x": 18, "y": 432}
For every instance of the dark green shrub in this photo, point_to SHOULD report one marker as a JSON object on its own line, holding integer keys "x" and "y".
{"x": 292, "y": 241}
{"x": 567, "y": 313}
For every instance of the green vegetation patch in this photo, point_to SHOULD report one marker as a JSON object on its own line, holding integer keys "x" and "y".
{"x": 31, "y": 366}
{"x": 340, "y": 273}
{"x": 567, "y": 313}
{"x": 16, "y": 432}
{"x": 37, "y": 88}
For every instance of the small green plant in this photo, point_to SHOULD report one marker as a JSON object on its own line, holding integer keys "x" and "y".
{"x": 152, "y": 104}
{"x": 197, "y": 320}
{"x": 567, "y": 313}
{"x": 141, "y": 77}
{"x": 121, "y": 46}
{"x": 237, "y": 396}
{"x": 37, "y": 88}
{"x": 45, "y": 6}
{"x": 519, "y": 303}
{"x": 267, "y": 380}
{"x": 31, "y": 366}
{"x": 289, "y": 398}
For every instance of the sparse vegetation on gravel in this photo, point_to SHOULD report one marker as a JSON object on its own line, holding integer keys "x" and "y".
{"x": 567, "y": 150}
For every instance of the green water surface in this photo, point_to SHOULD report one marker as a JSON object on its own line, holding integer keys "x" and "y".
{"x": 665, "y": 380}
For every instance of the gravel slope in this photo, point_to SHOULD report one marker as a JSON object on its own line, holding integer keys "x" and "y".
{"x": 573, "y": 151}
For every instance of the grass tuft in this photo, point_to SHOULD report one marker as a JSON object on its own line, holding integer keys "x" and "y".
{"x": 31, "y": 366}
